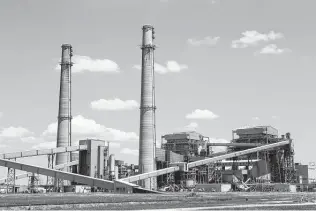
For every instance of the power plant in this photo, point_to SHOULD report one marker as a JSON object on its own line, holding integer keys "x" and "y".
{"x": 256, "y": 159}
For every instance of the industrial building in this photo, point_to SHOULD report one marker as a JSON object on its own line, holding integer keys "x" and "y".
{"x": 271, "y": 166}
{"x": 256, "y": 159}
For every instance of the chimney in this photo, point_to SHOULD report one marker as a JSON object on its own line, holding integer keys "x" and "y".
{"x": 147, "y": 134}
{"x": 64, "y": 113}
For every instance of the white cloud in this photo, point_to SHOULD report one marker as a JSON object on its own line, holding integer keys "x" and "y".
{"x": 115, "y": 145}
{"x": 160, "y": 69}
{"x": 114, "y": 104}
{"x": 273, "y": 49}
{"x": 252, "y": 38}
{"x": 218, "y": 148}
{"x": 15, "y": 132}
{"x": 174, "y": 66}
{"x": 129, "y": 151}
{"x": 255, "y": 118}
{"x": 171, "y": 67}
{"x": 3, "y": 146}
{"x": 190, "y": 127}
{"x": 209, "y": 41}
{"x": 201, "y": 114}
{"x": 85, "y": 63}
{"x": 45, "y": 145}
{"x": 32, "y": 139}
{"x": 53, "y": 144}
{"x": 17, "y": 136}
{"x": 137, "y": 66}
{"x": 83, "y": 128}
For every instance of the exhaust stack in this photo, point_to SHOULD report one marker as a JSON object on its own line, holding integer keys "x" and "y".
{"x": 147, "y": 134}
{"x": 64, "y": 113}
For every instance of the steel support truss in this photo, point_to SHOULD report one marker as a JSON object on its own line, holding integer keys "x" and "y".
{"x": 11, "y": 180}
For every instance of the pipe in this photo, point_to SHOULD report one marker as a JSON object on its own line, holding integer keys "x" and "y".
{"x": 112, "y": 166}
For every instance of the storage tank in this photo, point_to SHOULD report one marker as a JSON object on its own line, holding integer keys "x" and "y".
{"x": 112, "y": 165}
{"x": 116, "y": 172}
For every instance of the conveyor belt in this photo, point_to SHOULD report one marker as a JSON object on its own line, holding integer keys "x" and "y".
{"x": 25, "y": 175}
{"x": 32, "y": 153}
{"x": 235, "y": 144}
{"x": 59, "y": 174}
{"x": 236, "y": 154}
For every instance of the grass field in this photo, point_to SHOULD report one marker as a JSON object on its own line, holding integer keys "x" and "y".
{"x": 198, "y": 201}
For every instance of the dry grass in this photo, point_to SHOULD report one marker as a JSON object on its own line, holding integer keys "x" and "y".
{"x": 103, "y": 201}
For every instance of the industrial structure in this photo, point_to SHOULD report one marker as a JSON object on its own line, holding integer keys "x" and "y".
{"x": 256, "y": 159}
{"x": 64, "y": 112}
{"x": 147, "y": 131}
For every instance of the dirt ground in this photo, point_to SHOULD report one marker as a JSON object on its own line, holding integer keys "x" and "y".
{"x": 195, "y": 201}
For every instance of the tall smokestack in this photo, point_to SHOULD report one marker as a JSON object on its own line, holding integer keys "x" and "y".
{"x": 64, "y": 113}
{"x": 147, "y": 134}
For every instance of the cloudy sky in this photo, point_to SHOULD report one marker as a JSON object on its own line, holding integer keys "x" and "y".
{"x": 221, "y": 64}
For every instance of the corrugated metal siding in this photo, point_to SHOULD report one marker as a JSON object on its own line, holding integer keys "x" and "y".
{"x": 174, "y": 157}
{"x": 302, "y": 170}
{"x": 166, "y": 155}
{"x": 183, "y": 136}
{"x": 260, "y": 168}
{"x": 160, "y": 154}
{"x": 175, "y": 136}
{"x": 257, "y": 130}
{"x": 74, "y": 156}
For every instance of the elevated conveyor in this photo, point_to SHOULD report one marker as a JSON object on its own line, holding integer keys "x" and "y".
{"x": 151, "y": 174}
{"x": 205, "y": 161}
{"x": 235, "y": 144}
{"x": 117, "y": 186}
{"x": 239, "y": 153}
{"x": 59, "y": 174}
{"x": 32, "y": 153}
{"x": 58, "y": 167}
